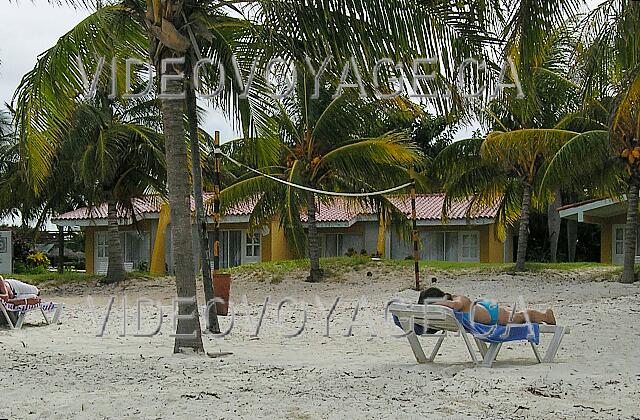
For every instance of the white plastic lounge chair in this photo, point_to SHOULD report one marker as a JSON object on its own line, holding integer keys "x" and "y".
{"x": 443, "y": 319}
{"x": 15, "y": 313}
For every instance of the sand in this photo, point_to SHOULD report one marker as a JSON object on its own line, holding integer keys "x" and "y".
{"x": 65, "y": 371}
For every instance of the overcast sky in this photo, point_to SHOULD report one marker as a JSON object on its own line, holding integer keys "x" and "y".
{"x": 27, "y": 29}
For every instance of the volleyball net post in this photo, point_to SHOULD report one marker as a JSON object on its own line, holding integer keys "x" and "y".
{"x": 414, "y": 236}
{"x": 216, "y": 203}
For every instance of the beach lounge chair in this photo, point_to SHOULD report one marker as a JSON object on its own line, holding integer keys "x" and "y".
{"x": 415, "y": 319}
{"x": 15, "y": 311}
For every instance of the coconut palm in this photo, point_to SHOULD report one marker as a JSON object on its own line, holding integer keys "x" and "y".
{"x": 319, "y": 144}
{"x": 118, "y": 156}
{"x": 610, "y": 70}
{"x": 364, "y": 29}
{"x": 613, "y": 65}
{"x": 507, "y": 167}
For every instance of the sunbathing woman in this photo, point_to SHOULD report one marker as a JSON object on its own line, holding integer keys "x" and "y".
{"x": 486, "y": 311}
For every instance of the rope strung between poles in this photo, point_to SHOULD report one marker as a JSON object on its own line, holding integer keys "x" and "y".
{"x": 313, "y": 190}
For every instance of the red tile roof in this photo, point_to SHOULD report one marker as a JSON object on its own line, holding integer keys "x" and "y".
{"x": 141, "y": 206}
{"x": 428, "y": 207}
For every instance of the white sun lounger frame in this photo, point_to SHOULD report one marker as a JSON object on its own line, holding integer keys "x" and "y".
{"x": 23, "y": 314}
{"x": 443, "y": 319}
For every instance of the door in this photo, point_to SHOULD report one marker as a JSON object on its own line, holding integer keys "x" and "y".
{"x": 617, "y": 243}
{"x": 469, "y": 246}
{"x": 251, "y": 247}
{"x": 101, "y": 259}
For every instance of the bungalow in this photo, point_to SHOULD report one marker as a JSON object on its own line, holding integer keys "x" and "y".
{"x": 343, "y": 228}
{"x": 611, "y": 216}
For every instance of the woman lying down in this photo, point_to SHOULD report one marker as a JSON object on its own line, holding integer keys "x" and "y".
{"x": 486, "y": 311}
{"x": 17, "y": 292}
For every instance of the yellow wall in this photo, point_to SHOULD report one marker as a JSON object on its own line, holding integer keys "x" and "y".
{"x": 158, "y": 248}
{"x": 279, "y": 249}
{"x": 274, "y": 246}
{"x": 89, "y": 242}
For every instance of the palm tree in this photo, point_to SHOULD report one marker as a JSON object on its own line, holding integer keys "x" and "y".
{"x": 319, "y": 144}
{"x": 605, "y": 158}
{"x": 508, "y": 166}
{"x": 117, "y": 158}
{"x": 364, "y": 29}
{"x": 612, "y": 66}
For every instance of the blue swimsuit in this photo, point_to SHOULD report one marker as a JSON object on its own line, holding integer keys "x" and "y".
{"x": 492, "y": 308}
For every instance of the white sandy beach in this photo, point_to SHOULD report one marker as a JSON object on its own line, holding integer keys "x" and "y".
{"x": 65, "y": 371}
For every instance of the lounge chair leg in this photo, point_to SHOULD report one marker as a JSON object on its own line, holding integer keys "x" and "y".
{"x": 7, "y": 317}
{"x": 535, "y": 351}
{"x": 491, "y": 355}
{"x": 555, "y": 345}
{"x": 418, "y": 352}
{"x": 56, "y": 314}
{"x": 434, "y": 353}
{"x": 44, "y": 314}
{"x": 482, "y": 346}
{"x": 21, "y": 318}
{"x": 469, "y": 347}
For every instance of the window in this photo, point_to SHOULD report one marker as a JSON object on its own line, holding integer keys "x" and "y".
{"x": 132, "y": 243}
{"x": 469, "y": 246}
{"x": 334, "y": 245}
{"x": 230, "y": 248}
{"x": 136, "y": 247}
{"x": 440, "y": 246}
{"x": 101, "y": 244}
{"x": 253, "y": 244}
{"x": 619, "y": 240}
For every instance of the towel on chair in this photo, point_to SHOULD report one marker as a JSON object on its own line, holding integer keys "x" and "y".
{"x": 489, "y": 333}
{"x": 27, "y": 306}
{"x": 499, "y": 333}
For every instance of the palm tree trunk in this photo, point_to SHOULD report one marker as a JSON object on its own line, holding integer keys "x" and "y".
{"x": 628, "y": 274}
{"x": 188, "y": 334}
{"x": 553, "y": 223}
{"x": 523, "y": 236}
{"x": 315, "y": 274}
{"x": 115, "y": 270}
{"x": 201, "y": 222}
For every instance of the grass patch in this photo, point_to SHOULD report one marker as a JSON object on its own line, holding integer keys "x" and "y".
{"x": 283, "y": 267}
{"x": 145, "y": 275}
{"x": 565, "y": 266}
{"x": 338, "y": 264}
{"x": 54, "y": 278}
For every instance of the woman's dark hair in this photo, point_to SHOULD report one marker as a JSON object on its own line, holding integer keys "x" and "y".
{"x": 432, "y": 294}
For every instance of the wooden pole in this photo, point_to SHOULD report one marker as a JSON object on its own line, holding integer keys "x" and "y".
{"x": 414, "y": 234}
{"x": 216, "y": 204}
{"x": 60, "y": 249}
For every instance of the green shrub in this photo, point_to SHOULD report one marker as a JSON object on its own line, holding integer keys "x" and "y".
{"x": 38, "y": 259}
{"x": 142, "y": 266}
